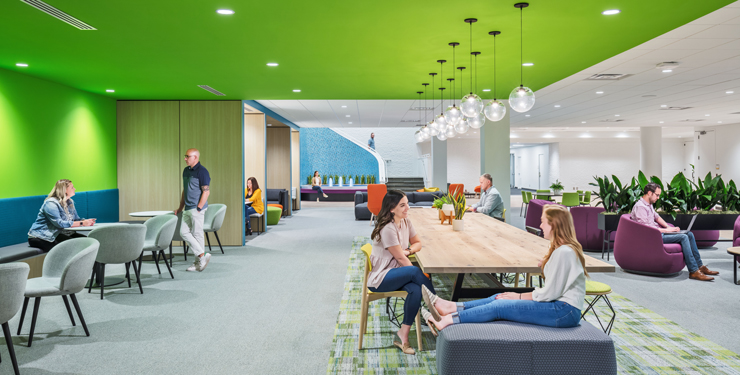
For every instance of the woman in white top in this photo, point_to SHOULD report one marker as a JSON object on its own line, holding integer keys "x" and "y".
{"x": 394, "y": 239}
{"x": 316, "y": 184}
{"x": 557, "y": 304}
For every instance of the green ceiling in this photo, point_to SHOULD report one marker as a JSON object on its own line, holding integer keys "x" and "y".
{"x": 331, "y": 49}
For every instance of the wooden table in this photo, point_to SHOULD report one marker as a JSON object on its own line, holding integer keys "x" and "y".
{"x": 486, "y": 246}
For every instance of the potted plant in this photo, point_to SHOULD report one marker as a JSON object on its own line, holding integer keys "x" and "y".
{"x": 557, "y": 187}
{"x": 445, "y": 206}
{"x": 460, "y": 209}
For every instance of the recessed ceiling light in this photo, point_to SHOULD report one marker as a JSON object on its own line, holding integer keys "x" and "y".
{"x": 583, "y": 122}
{"x": 610, "y": 12}
{"x": 719, "y": 122}
{"x": 616, "y": 115}
{"x": 707, "y": 115}
{"x": 109, "y": 90}
{"x": 486, "y": 90}
{"x": 557, "y": 105}
{"x": 667, "y": 70}
{"x": 726, "y": 92}
{"x": 296, "y": 90}
{"x": 599, "y": 92}
{"x": 22, "y": 65}
{"x": 660, "y": 122}
{"x": 344, "y": 106}
{"x": 663, "y": 106}
{"x": 346, "y": 115}
{"x": 350, "y": 123}
{"x": 225, "y": 11}
{"x": 272, "y": 64}
{"x": 528, "y": 64}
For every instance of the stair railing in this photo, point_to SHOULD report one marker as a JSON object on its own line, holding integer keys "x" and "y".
{"x": 382, "y": 168}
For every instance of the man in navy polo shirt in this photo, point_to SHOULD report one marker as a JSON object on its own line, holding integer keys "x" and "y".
{"x": 193, "y": 205}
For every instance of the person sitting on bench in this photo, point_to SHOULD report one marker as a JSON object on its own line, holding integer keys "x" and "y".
{"x": 316, "y": 184}
{"x": 56, "y": 214}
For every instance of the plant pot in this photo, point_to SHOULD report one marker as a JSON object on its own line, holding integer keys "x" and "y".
{"x": 458, "y": 225}
{"x": 609, "y": 222}
{"x": 448, "y": 209}
{"x": 556, "y": 191}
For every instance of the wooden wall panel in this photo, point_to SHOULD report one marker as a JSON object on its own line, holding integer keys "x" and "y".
{"x": 278, "y": 158}
{"x": 214, "y": 128}
{"x": 295, "y": 165}
{"x": 147, "y": 156}
{"x": 254, "y": 151}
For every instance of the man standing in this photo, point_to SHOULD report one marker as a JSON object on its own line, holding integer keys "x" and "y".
{"x": 490, "y": 202}
{"x": 644, "y": 213}
{"x": 371, "y": 141}
{"x": 193, "y": 205}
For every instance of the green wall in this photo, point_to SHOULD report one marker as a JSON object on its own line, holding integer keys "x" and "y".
{"x": 49, "y": 131}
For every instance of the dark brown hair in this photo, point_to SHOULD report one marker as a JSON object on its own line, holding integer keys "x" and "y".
{"x": 255, "y": 186}
{"x": 385, "y": 216}
{"x": 650, "y": 187}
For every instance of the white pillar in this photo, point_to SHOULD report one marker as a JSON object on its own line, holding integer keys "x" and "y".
{"x": 494, "y": 157}
{"x": 651, "y": 151}
{"x": 439, "y": 164}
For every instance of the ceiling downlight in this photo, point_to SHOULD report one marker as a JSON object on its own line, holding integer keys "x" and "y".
{"x": 211, "y": 90}
{"x": 58, "y": 14}
{"x": 607, "y": 77}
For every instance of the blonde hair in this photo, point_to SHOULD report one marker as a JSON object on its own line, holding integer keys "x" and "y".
{"x": 60, "y": 192}
{"x": 562, "y": 233}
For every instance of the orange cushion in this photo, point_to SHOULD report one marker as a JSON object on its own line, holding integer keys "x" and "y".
{"x": 477, "y": 189}
{"x": 420, "y": 190}
{"x": 280, "y": 206}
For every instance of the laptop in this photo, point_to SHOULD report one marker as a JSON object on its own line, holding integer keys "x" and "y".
{"x": 690, "y": 225}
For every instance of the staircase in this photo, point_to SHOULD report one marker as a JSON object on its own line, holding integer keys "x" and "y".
{"x": 405, "y": 183}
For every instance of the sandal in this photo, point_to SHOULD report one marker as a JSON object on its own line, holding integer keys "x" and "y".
{"x": 430, "y": 298}
{"x": 428, "y": 318}
{"x": 405, "y": 348}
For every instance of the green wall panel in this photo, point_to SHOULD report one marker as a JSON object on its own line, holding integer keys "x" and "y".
{"x": 49, "y": 131}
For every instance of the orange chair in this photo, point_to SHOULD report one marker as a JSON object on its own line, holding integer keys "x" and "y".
{"x": 477, "y": 191}
{"x": 375, "y": 195}
{"x": 456, "y": 190}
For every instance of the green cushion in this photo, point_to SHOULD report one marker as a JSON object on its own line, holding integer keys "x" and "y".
{"x": 597, "y": 287}
{"x": 273, "y": 215}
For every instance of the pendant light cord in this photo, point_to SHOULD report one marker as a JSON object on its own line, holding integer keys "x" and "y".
{"x": 453, "y": 75}
{"x": 521, "y": 46}
{"x": 494, "y": 67}
{"x": 476, "y": 74}
{"x": 471, "y": 57}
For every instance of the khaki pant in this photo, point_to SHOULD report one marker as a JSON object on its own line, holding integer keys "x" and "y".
{"x": 191, "y": 230}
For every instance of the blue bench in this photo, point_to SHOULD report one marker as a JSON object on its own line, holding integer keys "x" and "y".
{"x": 17, "y": 215}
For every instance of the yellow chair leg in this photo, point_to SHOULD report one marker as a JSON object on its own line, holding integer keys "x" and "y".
{"x": 363, "y": 321}
{"x": 418, "y": 330}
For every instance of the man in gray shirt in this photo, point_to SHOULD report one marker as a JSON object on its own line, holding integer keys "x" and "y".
{"x": 490, "y": 202}
{"x": 371, "y": 141}
{"x": 193, "y": 204}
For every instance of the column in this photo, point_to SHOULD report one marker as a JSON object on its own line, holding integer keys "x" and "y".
{"x": 494, "y": 157}
{"x": 651, "y": 151}
{"x": 439, "y": 164}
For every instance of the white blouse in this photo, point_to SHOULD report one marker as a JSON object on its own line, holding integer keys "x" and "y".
{"x": 564, "y": 279}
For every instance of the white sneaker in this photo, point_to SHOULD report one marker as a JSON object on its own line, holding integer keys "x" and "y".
{"x": 196, "y": 264}
{"x": 203, "y": 262}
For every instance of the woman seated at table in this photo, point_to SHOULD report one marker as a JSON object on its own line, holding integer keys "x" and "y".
{"x": 316, "y": 184}
{"x": 253, "y": 195}
{"x": 557, "y": 304}
{"x": 394, "y": 239}
{"x": 57, "y": 213}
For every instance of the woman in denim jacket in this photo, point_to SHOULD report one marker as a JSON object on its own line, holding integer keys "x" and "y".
{"x": 57, "y": 213}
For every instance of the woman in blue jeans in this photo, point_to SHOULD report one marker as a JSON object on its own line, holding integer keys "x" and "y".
{"x": 316, "y": 184}
{"x": 394, "y": 239}
{"x": 557, "y": 304}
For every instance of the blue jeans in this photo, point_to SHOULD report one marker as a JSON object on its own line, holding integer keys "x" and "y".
{"x": 410, "y": 279}
{"x": 248, "y": 210}
{"x": 318, "y": 188}
{"x": 688, "y": 246}
{"x": 556, "y": 314}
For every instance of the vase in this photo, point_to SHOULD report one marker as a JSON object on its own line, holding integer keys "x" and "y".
{"x": 458, "y": 225}
{"x": 556, "y": 191}
{"x": 448, "y": 209}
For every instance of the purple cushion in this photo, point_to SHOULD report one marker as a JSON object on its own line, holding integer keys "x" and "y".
{"x": 534, "y": 212}
{"x": 736, "y": 233}
{"x": 705, "y": 238}
{"x": 672, "y": 248}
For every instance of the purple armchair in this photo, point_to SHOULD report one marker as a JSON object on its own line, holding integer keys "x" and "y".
{"x": 736, "y": 233}
{"x": 706, "y": 238}
{"x": 586, "y": 222}
{"x": 534, "y": 212}
{"x": 640, "y": 249}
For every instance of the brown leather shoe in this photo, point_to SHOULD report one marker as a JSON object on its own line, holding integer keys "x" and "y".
{"x": 706, "y": 271}
{"x": 698, "y": 275}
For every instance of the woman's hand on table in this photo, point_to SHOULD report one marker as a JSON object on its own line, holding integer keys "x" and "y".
{"x": 88, "y": 222}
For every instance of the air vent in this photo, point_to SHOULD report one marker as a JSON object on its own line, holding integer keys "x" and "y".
{"x": 610, "y": 120}
{"x": 607, "y": 77}
{"x": 58, "y": 14}
{"x": 422, "y": 108}
{"x": 211, "y": 90}
{"x": 675, "y": 108}
{"x": 691, "y": 120}
{"x": 649, "y": 96}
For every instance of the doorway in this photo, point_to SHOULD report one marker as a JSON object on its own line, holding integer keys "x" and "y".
{"x": 512, "y": 168}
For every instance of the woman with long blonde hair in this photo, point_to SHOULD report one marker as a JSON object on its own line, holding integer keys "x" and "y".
{"x": 56, "y": 214}
{"x": 557, "y": 304}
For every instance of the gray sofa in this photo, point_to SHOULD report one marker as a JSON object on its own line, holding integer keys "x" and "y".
{"x": 504, "y": 347}
{"x": 416, "y": 199}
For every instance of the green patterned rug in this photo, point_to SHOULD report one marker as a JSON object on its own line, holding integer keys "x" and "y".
{"x": 646, "y": 343}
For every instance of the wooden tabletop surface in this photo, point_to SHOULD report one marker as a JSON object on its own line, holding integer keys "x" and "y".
{"x": 485, "y": 246}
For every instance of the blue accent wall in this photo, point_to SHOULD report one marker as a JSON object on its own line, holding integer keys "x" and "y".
{"x": 329, "y": 153}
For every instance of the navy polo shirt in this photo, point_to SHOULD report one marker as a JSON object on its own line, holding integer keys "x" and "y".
{"x": 192, "y": 180}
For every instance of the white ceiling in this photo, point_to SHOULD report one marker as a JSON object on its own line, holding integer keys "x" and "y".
{"x": 708, "y": 50}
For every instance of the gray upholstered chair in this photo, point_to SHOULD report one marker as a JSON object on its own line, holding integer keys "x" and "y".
{"x": 12, "y": 283}
{"x": 178, "y": 237}
{"x": 119, "y": 244}
{"x": 213, "y": 221}
{"x": 159, "y": 233}
{"x": 64, "y": 273}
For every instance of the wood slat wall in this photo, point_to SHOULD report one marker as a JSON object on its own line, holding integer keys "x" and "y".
{"x": 214, "y": 128}
{"x": 147, "y": 153}
{"x": 254, "y": 151}
{"x": 278, "y": 158}
{"x": 295, "y": 146}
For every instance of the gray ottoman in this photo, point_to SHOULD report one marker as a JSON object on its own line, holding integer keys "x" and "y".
{"x": 504, "y": 347}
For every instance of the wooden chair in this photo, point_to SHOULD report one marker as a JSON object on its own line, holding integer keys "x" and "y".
{"x": 375, "y": 195}
{"x": 368, "y": 296}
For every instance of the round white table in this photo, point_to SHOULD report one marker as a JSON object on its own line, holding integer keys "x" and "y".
{"x": 149, "y": 213}
{"x": 87, "y": 229}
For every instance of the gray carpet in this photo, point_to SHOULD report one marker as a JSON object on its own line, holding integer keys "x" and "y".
{"x": 267, "y": 308}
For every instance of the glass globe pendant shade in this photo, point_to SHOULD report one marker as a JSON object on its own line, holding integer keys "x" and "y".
{"x": 462, "y": 127}
{"x": 441, "y": 122}
{"x": 470, "y": 105}
{"x": 432, "y": 127}
{"x": 442, "y": 137}
{"x": 453, "y": 115}
{"x": 521, "y": 99}
{"x": 477, "y": 121}
{"x": 450, "y": 131}
{"x": 494, "y": 110}
{"x": 424, "y": 131}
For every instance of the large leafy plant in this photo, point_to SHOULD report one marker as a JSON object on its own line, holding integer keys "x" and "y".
{"x": 614, "y": 196}
{"x": 557, "y": 185}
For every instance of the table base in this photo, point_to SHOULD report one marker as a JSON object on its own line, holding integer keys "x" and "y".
{"x": 460, "y": 292}
{"x": 109, "y": 281}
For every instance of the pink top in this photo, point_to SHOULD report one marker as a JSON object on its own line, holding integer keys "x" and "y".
{"x": 381, "y": 259}
{"x": 644, "y": 213}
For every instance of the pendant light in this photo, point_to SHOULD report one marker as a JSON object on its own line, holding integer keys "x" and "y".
{"x": 478, "y": 120}
{"x": 494, "y": 110}
{"x": 440, "y": 119}
{"x": 453, "y": 115}
{"x": 461, "y": 126}
{"x": 521, "y": 98}
{"x": 471, "y": 103}
{"x": 464, "y": 119}
{"x": 418, "y": 135}
{"x": 425, "y": 130}
{"x": 432, "y": 125}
